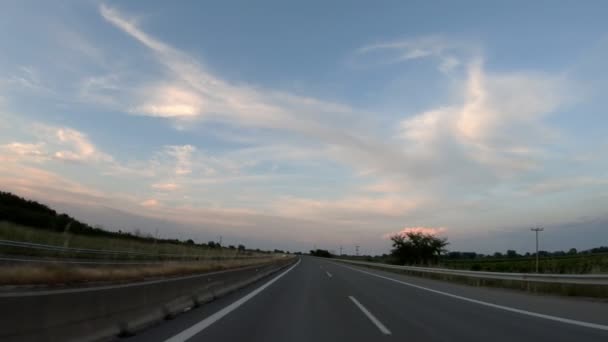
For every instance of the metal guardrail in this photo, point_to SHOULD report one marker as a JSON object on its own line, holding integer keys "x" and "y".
{"x": 587, "y": 279}
{"x": 55, "y": 248}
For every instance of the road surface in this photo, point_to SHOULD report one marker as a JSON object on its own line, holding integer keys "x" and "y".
{"x": 321, "y": 300}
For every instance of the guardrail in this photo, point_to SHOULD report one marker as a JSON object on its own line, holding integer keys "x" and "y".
{"x": 583, "y": 279}
{"x": 101, "y": 312}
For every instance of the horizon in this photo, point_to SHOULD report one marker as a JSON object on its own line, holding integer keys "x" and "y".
{"x": 323, "y": 126}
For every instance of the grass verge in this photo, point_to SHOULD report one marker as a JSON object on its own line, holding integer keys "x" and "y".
{"x": 15, "y": 232}
{"x": 62, "y": 274}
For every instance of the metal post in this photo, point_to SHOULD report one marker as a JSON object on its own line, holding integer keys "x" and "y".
{"x": 536, "y": 230}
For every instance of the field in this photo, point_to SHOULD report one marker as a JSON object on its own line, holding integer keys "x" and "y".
{"x": 570, "y": 264}
{"x": 126, "y": 259}
{"x": 62, "y": 274}
{"x": 149, "y": 250}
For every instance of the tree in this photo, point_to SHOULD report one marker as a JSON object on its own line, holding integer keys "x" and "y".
{"x": 320, "y": 253}
{"x": 572, "y": 251}
{"x": 417, "y": 248}
{"x": 212, "y": 244}
{"x": 241, "y": 248}
{"x": 512, "y": 254}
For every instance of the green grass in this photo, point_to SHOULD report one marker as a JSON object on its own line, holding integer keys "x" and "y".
{"x": 14, "y": 232}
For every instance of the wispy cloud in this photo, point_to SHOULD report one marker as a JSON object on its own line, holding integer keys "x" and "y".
{"x": 165, "y": 186}
{"x": 448, "y": 52}
{"x": 350, "y": 208}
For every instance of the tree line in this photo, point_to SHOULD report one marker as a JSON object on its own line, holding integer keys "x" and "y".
{"x": 417, "y": 248}
{"x": 33, "y": 214}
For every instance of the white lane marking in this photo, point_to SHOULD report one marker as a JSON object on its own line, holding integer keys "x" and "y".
{"x": 496, "y": 306}
{"x": 202, "y": 325}
{"x": 371, "y": 317}
{"x": 328, "y": 274}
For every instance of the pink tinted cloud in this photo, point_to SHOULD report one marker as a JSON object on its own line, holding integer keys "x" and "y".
{"x": 424, "y": 230}
{"x": 150, "y": 203}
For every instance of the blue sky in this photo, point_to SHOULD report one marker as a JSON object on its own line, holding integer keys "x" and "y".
{"x": 287, "y": 125}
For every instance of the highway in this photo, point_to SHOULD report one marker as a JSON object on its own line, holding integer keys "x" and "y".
{"x": 322, "y": 300}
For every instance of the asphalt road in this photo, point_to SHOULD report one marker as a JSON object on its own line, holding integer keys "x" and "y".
{"x": 319, "y": 300}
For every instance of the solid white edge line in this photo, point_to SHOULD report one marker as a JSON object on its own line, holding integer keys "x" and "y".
{"x": 205, "y": 323}
{"x": 496, "y": 306}
{"x": 328, "y": 274}
{"x": 371, "y": 317}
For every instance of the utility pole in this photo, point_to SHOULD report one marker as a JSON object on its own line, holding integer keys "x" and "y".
{"x": 357, "y": 250}
{"x": 340, "y": 250}
{"x": 536, "y": 230}
{"x": 220, "y": 242}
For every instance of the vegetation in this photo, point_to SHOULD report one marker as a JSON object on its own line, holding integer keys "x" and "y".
{"x": 149, "y": 250}
{"x": 574, "y": 263}
{"x": 417, "y": 248}
{"x": 30, "y": 221}
{"x": 320, "y": 253}
{"x": 59, "y": 274}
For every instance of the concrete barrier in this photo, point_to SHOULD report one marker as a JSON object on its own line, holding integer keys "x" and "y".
{"x": 103, "y": 312}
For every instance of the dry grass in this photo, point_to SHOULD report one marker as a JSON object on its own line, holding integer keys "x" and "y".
{"x": 62, "y": 274}
{"x": 15, "y": 232}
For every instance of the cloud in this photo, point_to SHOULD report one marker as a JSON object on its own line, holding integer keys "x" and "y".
{"x": 192, "y": 85}
{"x": 39, "y": 183}
{"x": 386, "y": 187}
{"x": 58, "y": 143}
{"x": 150, "y": 203}
{"x": 349, "y": 208}
{"x": 448, "y": 53}
{"x": 165, "y": 186}
{"x": 106, "y": 90}
{"x": 422, "y": 230}
{"x": 78, "y": 146}
{"x": 190, "y": 91}
{"x": 172, "y": 102}
{"x": 496, "y": 124}
{"x": 292, "y": 158}
{"x": 565, "y": 184}
{"x": 182, "y": 155}
{"x": 34, "y": 152}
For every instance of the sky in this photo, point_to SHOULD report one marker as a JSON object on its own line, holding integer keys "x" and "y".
{"x": 296, "y": 125}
